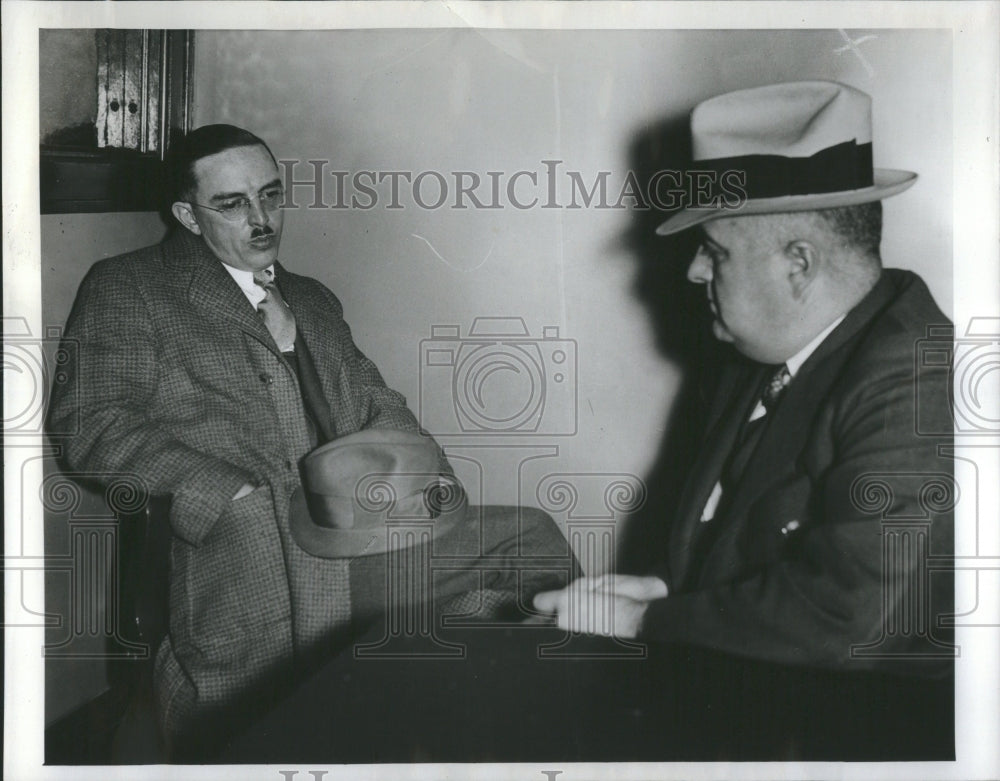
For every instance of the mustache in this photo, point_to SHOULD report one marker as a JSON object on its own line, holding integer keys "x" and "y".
{"x": 261, "y": 231}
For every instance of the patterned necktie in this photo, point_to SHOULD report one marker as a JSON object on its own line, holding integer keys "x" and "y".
{"x": 775, "y": 388}
{"x": 275, "y": 312}
{"x": 752, "y": 430}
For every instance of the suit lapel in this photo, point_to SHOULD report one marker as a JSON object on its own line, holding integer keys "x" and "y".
{"x": 210, "y": 289}
{"x": 729, "y": 413}
{"x": 789, "y": 428}
{"x": 326, "y": 339}
{"x": 784, "y": 434}
{"x": 215, "y": 294}
{"x": 312, "y": 322}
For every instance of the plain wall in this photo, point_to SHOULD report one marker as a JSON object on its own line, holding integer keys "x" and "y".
{"x": 468, "y": 100}
{"x": 65, "y": 102}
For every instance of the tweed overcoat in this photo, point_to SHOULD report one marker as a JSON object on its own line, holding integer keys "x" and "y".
{"x": 179, "y": 381}
{"x": 801, "y": 563}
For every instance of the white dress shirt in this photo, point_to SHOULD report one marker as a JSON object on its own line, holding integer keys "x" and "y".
{"x": 254, "y": 292}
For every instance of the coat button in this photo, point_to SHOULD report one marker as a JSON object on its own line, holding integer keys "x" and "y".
{"x": 266, "y": 378}
{"x": 289, "y": 465}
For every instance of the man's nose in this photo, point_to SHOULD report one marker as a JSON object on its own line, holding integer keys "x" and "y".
{"x": 256, "y": 214}
{"x": 700, "y": 270}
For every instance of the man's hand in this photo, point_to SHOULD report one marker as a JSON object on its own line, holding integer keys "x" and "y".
{"x": 609, "y": 605}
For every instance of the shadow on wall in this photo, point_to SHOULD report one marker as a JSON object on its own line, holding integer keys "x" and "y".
{"x": 681, "y": 323}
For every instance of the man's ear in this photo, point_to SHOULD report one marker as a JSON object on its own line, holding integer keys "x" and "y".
{"x": 804, "y": 258}
{"x": 182, "y": 211}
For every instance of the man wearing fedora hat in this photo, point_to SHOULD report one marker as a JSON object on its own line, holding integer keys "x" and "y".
{"x": 215, "y": 374}
{"x": 785, "y": 545}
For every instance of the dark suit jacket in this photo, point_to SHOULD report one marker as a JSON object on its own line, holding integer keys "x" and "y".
{"x": 180, "y": 383}
{"x": 804, "y": 559}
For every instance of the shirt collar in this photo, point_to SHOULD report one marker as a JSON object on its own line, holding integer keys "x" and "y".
{"x": 795, "y": 362}
{"x": 244, "y": 277}
{"x": 254, "y": 292}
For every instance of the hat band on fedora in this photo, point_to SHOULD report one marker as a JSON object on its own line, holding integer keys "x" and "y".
{"x": 846, "y": 166}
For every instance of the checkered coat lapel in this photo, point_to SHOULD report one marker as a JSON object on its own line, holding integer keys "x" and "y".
{"x": 326, "y": 346}
{"x": 210, "y": 289}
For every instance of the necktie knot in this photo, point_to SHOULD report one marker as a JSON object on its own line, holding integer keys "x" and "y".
{"x": 775, "y": 388}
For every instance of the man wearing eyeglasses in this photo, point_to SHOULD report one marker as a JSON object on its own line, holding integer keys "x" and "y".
{"x": 209, "y": 370}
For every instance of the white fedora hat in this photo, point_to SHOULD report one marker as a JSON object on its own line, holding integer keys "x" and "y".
{"x": 796, "y": 146}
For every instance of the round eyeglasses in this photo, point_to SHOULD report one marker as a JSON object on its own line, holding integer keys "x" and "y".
{"x": 237, "y": 209}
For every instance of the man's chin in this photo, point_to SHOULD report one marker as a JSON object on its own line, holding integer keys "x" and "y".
{"x": 263, "y": 257}
{"x": 256, "y": 261}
